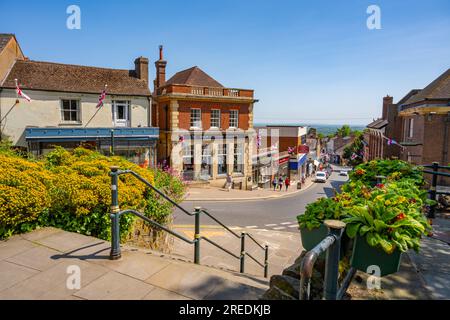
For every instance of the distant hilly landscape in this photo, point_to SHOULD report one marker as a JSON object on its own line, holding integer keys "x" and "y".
{"x": 325, "y": 129}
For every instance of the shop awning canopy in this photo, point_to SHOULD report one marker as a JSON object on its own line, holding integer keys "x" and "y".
{"x": 294, "y": 164}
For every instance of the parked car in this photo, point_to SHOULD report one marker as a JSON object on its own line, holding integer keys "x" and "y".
{"x": 343, "y": 173}
{"x": 321, "y": 176}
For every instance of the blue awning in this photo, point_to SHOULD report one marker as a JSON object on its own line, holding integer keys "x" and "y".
{"x": 294, "y": 164}
{"x": 56, "y": 134}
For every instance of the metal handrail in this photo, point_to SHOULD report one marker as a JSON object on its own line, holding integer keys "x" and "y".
{"x": 219, "y": 247}
{"x": 220, "y": 223}
{"x": 145, "y": 218}
{"x": 438, "y": 166}
{"x": 331, "y": 244}
{"x": 116, "y": 214}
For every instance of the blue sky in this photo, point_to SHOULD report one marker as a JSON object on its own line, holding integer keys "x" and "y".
{"x": 308, "y": 61}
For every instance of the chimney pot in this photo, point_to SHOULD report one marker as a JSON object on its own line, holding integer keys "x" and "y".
{"x": 160, "y": 52}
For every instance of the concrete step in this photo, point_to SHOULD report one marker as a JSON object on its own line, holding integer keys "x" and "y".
{"x": 36, "y": 265}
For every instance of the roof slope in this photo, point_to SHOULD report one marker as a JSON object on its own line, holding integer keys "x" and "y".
{"x": 4, "y": 39}
{"x": 438, "y": 89}
{"x": 195, "y": 77}
{"x": 48, "y": 76}
{"x": 378, "y": 124}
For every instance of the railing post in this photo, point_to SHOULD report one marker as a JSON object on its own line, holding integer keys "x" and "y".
{"x": 330, "y": 289}
{"x": 431, "y": 213}
{"x": 242, "y": 259}
{"x": 266, "y": 261}
{"x": 115, "y": 217}
{"x": 197, "y": 236}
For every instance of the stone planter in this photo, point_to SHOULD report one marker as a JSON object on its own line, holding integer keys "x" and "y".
{"x": 364, "y": 256}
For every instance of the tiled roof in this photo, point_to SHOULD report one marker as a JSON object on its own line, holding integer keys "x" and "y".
{"x": 378, "y": 124}
{"x": 195, "y": 77}
{"x": 4, "y": 38}
{"x": 438, "y": 89}
{"x": 48, "y": 76}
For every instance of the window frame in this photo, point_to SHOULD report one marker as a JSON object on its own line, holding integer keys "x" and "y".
{"x": 192, "y": 123}
{"x": 232, "y": 119}
{"x": 216, "y": 118}
{"x": 238, "y": 167}
{"x": 222, "y": 154}
{"x": 410, "y": 127}
{"x": 77, "y": 111}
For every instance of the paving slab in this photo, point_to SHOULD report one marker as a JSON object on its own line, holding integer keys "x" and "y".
{"x": 115, "y": 286}
{"x": 40, "y": 233}
{"x": 52, "y": 283}
{"x": 187, "y": 281}
{"x": 38, "y": 258}
{"x": 65, "y": 241}
{"x": 12, "y": 274}
{"x": 162, "y": 294}
{"x": 14, "y": 246}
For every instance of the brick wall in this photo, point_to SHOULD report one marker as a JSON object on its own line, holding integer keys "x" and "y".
{"x": 184, "y": 110}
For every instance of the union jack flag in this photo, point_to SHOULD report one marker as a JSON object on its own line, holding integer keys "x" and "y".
{"x": 21, "y": 93}
{"x": 102, "y": 97}
{"x": 290, "y": 150}
{"x": 354, "y": 156}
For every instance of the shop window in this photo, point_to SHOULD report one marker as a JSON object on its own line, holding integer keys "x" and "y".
{"x": 222, "y": 159}
{"x": 188, "y": 162}
{"x": 238, "y": 165}
{"x": 206, "y": 166}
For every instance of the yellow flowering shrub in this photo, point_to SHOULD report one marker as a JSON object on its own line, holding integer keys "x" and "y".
{"x": 23, "y": 192}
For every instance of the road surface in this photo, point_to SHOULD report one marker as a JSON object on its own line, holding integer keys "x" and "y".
{"x": 277, "y": 214}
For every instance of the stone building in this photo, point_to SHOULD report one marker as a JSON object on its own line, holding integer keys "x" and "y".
{"x": 206, "y": 128}
{"x": 63, "y": 108}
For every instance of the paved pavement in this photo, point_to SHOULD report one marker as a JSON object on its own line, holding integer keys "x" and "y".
{"x": 41, "y": 264}
{"x": 261, "y": 214}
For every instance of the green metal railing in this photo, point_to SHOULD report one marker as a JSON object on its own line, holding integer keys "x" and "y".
{"x": 433, "y": 189}
{"x": 116, "y": 213}
{"x": 331, "y": 244}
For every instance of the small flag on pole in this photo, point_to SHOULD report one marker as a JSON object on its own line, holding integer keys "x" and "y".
{"x": 354, "y": 156}
{"x": 290, "y": 150}
{"x": 258, "y": 140}
{"x": 102, "y": 97}
{"x": 20, "y": 92}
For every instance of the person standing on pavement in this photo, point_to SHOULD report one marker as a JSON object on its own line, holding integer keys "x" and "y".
{"x": 274, "y": 184}
{"x": 229, "y": 182}
{"x": 280, "y": 183}
{"x": 287, "y": 183}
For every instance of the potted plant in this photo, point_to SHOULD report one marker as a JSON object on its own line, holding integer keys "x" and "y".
{"x": 386, "y": 223}
{"x": 312, "y": 229}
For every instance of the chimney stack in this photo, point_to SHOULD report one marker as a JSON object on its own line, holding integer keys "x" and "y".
{"x": 388, "y": 100}
{"x": 160, "y": 70}
{"x": 141, "y": 68}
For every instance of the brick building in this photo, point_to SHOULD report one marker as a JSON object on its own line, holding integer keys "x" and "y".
{"x": 206, "y": 129}
{"x": 418, "y": 123}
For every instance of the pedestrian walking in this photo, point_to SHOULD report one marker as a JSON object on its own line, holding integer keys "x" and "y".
{"x": 287, "y": 183}
{"x": 229, "y": 182}
{"x": 280, "y": 183}
{"x": 274, "y": 183}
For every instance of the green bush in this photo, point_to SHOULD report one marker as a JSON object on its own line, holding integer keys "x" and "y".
{"x": 71, "y": 190}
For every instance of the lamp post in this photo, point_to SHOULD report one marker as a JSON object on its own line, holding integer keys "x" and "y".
{"x": 112, "y": 142}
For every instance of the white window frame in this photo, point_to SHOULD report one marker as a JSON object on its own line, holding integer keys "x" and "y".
{"x": 216, "y": 118}
{"x": 121, "y": 122}
{"x": 238, "y": 154}
{"x": 222, "y": 157}
{"x": 78, "y": 111}
{"x": 234, "y": 118}
{"x": 196, "y": 123}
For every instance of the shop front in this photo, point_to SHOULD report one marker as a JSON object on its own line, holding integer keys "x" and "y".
{"x": 263, "y": 168}
{"x": 297, "y": 167}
